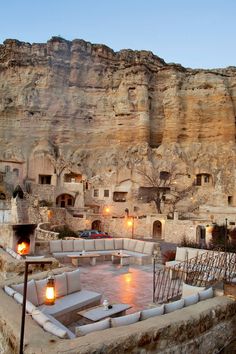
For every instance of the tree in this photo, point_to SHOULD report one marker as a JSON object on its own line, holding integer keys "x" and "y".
{"x": 162, "y": 187}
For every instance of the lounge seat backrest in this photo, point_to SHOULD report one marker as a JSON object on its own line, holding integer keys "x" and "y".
{"x": 67, "y": 245}
{"x": 188, "y": 290}
{"x": 118, "y": 243}
{"x": 148, "y": 313}
{"x": 131, "y": 245}
{"x": 89, "y": 245}
{"x": 126, "y": 243}
{"x": 173, "y": 306}
{"x": 99, "y": 245}
{"x": 139, "y": 246}
{"x": 78, "y": 245}
{"x": 181, "y": 254}
{"x": 41, "y": 290}
{"x": 55, "y": 246}
{"x": 31, "y": 291}
{"x": 97, "y": 326}
{"x": 61, "y": 285}
{"x": 109, "y": 244}
{"x": 148, "y": 247}
{"x": 125, "y": 320}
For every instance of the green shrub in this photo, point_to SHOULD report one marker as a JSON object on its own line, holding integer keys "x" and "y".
{"x": 185, "y": 242}
{"x": 65, "y": 231}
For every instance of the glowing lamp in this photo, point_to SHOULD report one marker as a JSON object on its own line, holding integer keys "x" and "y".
{"x": 130, "y": 222}
{"x": 50, "y": 296}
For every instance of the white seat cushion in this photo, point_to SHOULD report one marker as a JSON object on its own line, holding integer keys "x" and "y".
{"x": 41, "y": 290}
{"x": 118, "y": 243}
{"x": 67, "y": 245}
{"x": 97, "y": 326}
{"x": 99, "y": 245}
{"x": 148, "y": 247}
{"x": 9, "y": 290}
{"x": 125, "y": 320}
{"x": 31, "y": 291}
{"x": 206, "y": 294}
{"x": 18, "y": 297}
{"x": 71, "y": 302}
{"x": 156, "y": 311}
{"x": 173, "y": 306}
{"x": 73, "y": 281}
{"x": 60, "y": 285}
{"x": 190, "y": 289}
{"x": 109, "y": 244}
{"x": 139, "y": 246}
{"x": 29, "y": 307}
{"x": 39, "y": 317}
{"x": 78, "y": 245}
{"x": 180, "y": 254}
{"x": 89, "y": 245}
{"x": 54, "y": 329}
{"x": 55, "y": 246}
{"x": 191, "y": 300}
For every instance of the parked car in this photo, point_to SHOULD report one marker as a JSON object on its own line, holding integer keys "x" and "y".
{"x": 94, "y": 234}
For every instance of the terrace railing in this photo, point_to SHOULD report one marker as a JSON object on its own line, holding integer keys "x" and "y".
{"x": 206, "y": 269}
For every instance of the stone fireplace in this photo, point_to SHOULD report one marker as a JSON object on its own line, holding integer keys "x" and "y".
{"x": 19, "y": 237}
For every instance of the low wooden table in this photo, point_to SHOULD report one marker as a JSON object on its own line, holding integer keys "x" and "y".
{"x": 76, "y": 257}
{"x": 98, "y": 313}
{"x": 121, "y": 256}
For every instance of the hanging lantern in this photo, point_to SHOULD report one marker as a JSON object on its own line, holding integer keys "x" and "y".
{"x": 50, "y": 296}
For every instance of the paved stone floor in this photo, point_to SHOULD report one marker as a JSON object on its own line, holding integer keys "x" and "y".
{"x": 128, "y": 284}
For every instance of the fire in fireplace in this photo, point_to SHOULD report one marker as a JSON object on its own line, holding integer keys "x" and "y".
{"x": 23, "y": 246}
{"x": 24, "y": 238}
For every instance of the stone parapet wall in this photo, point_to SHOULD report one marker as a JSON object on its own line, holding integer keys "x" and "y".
{"x": 202, "y": 328}
{"x": 42, "y": 234}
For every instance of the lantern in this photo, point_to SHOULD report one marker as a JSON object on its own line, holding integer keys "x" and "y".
{"x": 50, "y": 296}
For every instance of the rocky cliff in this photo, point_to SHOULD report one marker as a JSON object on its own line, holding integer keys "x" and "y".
{"x": 81, "y": 96}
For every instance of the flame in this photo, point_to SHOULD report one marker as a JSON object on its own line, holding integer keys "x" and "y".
{"x": 23, "y": 248}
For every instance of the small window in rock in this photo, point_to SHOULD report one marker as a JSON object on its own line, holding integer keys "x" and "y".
{"x": 230, "y": 200}
{"x": 16, "y": 172}
{"x": 45, "y": 179}
{"x": 206, "y": 178}
{"x": 106, "y": 193}
{"x": 7, "y": 168}
{"x": 96, "y": 193}
{"x": 119, "y": 196}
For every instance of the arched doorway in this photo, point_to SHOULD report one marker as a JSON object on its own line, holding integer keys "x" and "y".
{"x": 157, "y": 230}
{"x": 65, "y": 200}
{"x": 201, "y": 236}
{"x": 96, "y": 225}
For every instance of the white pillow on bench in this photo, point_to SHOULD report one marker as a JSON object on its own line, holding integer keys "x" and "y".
{"x": 67, "y": 245}
{"x": 125, "y": 320}
{"x": 9, "y": 290}
{"x": 73, "y": 281}
{"x": 191, "y": 300}
{"x": 78, "y": 245}
{"x": 190, "y": 289}
{"x": 173, "y": 306}
{"x": 97, "y": 326}
{"x": 156, "y": 311}
{"x": 206, "y": 294}
{"x": 61, "y": 285}
{"x": 55, "y": 246}
{"x": 31, "y": 291}
{"x": 39, "y": 317}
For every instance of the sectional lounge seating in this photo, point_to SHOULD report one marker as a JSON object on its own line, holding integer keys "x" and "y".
{"x": 70, "y": 298}
{"x": 140, "y": 252}
{"x": 144, "y": 314}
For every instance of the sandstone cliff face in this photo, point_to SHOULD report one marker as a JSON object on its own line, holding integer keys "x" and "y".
{"x": 98, "y": 105}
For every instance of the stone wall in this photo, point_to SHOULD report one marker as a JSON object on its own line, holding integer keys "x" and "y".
{"x": 202, "y": 328}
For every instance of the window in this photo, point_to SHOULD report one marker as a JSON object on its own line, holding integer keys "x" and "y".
{"x": 7, "y": 168}
{"x": 106, "y": 193}
{"x": 45, "y": 179}
{"x": 69, "y": 202}
{"x": 206, "y": 178}
{"x": 16, "y": 172}
{"x": 119, "y": 196}
{"x": 199, "y": 180}
{"x": 96, "y": 193}
{"x": 230, "y": 200}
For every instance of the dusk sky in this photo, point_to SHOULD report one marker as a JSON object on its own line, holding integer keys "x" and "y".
{"x": 194, "y": 33}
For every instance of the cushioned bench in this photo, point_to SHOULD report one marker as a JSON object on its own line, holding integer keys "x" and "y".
{"x": 140, "y": 251}
{"x": 145, "y": 314}
{"x": 70, "y": 298}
